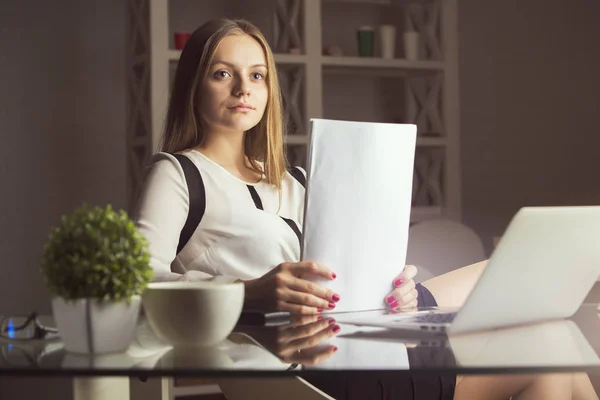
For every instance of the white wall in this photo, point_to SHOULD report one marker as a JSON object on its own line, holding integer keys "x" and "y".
{"x": 529, "y": 99}
{"x": 62, "y": 124}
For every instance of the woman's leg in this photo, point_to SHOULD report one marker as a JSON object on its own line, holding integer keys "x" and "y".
{"x": 526, "y": 387}
{"x": 519, "y": 387}
{"x": 451, "y": 289}
{"x": 583, "y": 388}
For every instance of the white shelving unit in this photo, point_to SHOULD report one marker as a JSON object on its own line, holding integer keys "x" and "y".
{"x": 424, "y": 91}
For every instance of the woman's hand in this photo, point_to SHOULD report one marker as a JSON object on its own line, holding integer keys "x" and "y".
{"x": 404, "y": 294}
{"x": 299, "y": 342}
{"x": 302, "y": 341}
{"x": 285, "y": 288}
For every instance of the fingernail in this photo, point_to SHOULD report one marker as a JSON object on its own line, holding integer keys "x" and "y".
{"x": 320, "y": 318}
{"x": 335, "y": 349}
{"x": 398, "y": 282}
{"x": 331, "y": 321}
{"x": 336, "y": 297}
{"x": 319, "y": 310}
{"x": 332, "y": 305}
{"x": 390, "y": 299}
{"x": 333, "y": 275}
{"x": 394, "y": 304}
{"x": 336, "y": 329}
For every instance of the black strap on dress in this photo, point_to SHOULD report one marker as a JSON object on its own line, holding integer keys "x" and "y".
{"x": 197, "y": 199}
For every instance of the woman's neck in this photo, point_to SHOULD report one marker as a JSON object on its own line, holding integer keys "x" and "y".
{"x": 226, "y": 150}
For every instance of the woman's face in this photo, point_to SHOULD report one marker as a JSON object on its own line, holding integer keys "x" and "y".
{"x": 234, "y": 95}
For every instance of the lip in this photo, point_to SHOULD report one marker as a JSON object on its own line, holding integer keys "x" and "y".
{"x": 242, "y": 107}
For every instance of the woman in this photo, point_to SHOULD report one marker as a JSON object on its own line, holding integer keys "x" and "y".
{"x": 225, "y": 115}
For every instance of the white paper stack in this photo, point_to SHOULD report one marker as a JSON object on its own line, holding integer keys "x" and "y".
{"x": 357, "y": 208}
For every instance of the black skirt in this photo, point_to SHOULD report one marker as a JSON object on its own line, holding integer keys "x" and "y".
{"x": 388, "y": 386}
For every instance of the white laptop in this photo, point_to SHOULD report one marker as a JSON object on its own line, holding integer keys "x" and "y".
{"x": 543, "y": 268}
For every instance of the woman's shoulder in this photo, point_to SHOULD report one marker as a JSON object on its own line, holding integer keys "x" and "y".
{"x": 178, "y": 165}
{"x": 297, "y": 168}
{"x": 163, "y": 169}
{"x": 165, "y": 162}
{"x": 169, "y": 157}
{"x": 174, "y": 162}
{"x": 298, "y": 174}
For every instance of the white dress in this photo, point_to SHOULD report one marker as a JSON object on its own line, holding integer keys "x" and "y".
{"x": 235, "y": 239}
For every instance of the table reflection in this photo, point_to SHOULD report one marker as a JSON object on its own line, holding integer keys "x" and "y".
{"x": 330, "y": 343}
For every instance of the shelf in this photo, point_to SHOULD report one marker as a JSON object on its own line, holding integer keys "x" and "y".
{"x": 279, "y": 58}
{"x": 296, "y": 139}
{"x": 428, "y": 87}
{"x": 290, "y": 59}
{"x": 422, "y": 213}
{"x": 391, "y": 3}
{"x": 376, "y": 62}
{"x": 394, "y": 3}
{"x": 431, "y": 141}
{"x": 365, "y": 2}
{"x": 349, "y": 62}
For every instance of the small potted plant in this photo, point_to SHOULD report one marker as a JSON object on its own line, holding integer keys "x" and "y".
{"x": 96, "y": 265}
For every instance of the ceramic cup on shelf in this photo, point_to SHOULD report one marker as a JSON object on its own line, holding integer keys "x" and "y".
{"x": 181, "y": 39}
{"x": 387, "y": 40}
{"x": 411, "y": 45}
{"x": 366, "y": 41}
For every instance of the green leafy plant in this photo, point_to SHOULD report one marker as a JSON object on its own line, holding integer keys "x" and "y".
{"x": 96, "y": 253}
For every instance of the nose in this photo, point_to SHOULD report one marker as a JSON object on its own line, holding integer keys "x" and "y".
{"x": 242, "y": 87}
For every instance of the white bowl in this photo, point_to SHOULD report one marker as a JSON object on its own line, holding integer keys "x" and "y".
{"x": 193, "y": 313}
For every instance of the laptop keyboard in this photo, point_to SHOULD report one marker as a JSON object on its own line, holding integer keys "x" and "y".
{"x": 432, "y": 318}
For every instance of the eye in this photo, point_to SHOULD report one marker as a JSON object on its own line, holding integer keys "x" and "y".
{"x": 221, "y": 74}
{"x": 257, "y": 76}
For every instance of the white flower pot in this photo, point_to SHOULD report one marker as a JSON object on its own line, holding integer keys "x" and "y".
{"x": 87, "y": 326}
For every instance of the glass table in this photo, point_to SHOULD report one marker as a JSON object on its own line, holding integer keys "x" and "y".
{"x": 274, "y": 359}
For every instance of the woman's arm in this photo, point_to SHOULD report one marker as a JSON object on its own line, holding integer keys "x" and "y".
{"x": 161, "y": 213}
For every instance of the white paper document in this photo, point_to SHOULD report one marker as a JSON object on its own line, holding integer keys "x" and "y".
{"x": 357, "y": 208}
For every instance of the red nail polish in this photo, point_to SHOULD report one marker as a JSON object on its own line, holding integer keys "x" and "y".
{"x": 331, "y": 321}
{"x": 319, "y": 310}
{"x": 336, "y": 297}
{"x": 335, "y": 349}
{"x": 390, "y": 299}
{"x": 394, "y": 304}
{"x": 398, "y": 282}
{"x": 331, "y": 305}
{"x": 336, "y": 329}
{"x": 319, "y": 318}
{"x": 333, "y": 275}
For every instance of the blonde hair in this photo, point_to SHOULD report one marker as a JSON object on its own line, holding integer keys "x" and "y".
{"x": 182, "y": 130}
